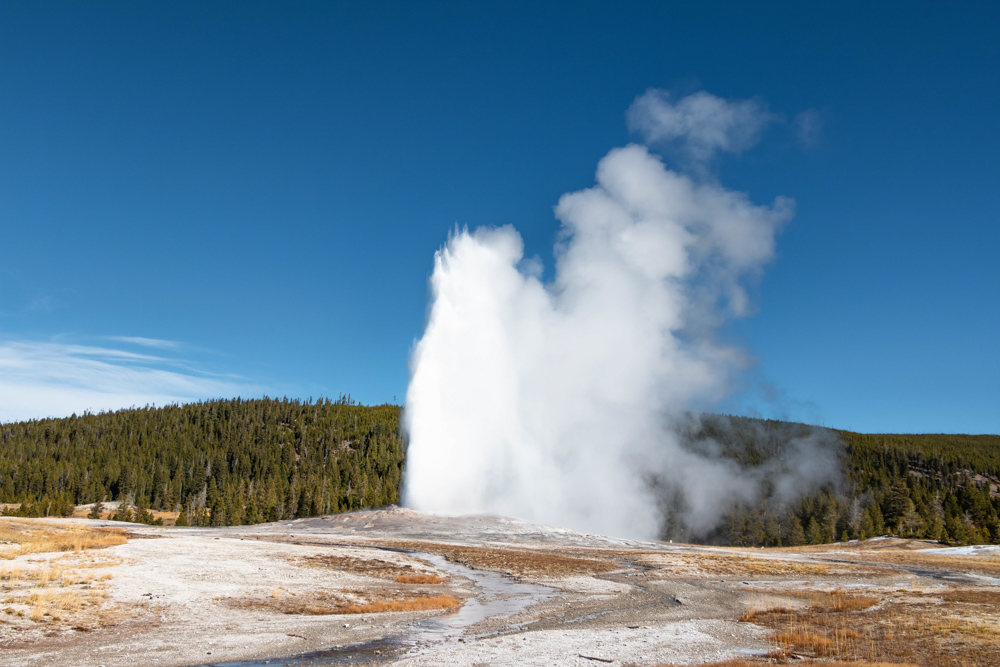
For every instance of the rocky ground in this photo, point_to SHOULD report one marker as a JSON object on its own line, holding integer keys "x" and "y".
{"x": 396, "y": 586}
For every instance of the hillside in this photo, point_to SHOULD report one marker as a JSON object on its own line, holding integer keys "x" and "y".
{"x": 249, "y": 461}
{"x": 935, "y": 486}
{"x": 220, "y": 462}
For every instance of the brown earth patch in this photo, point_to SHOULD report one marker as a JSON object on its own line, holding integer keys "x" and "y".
{"x": 511, "y": 562}
{"x": 877, "y": 544}
{"x": 348, "y": 602}
{"x": 973, "y": 596}
{"x": 734, "y": 565}
{"x": 741, "y": 662}
{"x": 985, "y": 565}
{"x": 419, "y": 579}
{"x": 369, "y": 567}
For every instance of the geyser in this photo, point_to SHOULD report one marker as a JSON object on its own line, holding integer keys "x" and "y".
{"x": 554, "y": 402}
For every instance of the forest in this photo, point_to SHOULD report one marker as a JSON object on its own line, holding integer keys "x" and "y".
{"x": 231, "y": 462}
{"x": 218, "y": 463}
{"x": 932, "y": 486}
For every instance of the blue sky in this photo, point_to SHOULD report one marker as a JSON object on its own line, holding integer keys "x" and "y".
{"x": 201, "y": 200}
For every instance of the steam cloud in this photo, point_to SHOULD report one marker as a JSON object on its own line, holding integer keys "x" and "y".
{"x": 560, "y": 402}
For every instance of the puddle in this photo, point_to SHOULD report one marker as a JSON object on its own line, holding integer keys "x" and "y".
{"x": 498, "y": 596}
{"x": 742, "y": 650}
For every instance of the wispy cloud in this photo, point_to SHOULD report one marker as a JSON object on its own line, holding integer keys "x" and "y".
{"x": 43, "y": 304}
{"x": 47, "y": 379}
{"x": 147, "y": 342}
{"x": 808, "y": 127}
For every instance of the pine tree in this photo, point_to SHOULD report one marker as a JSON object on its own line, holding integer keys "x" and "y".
{"x": 814, "y": 533}
{"x": 796, "y": 535}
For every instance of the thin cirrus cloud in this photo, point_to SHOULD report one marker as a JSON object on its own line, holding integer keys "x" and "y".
{"x": 147, "y": 342}
{"x": 51, "y": 379}
{"x": 808, "y": 126}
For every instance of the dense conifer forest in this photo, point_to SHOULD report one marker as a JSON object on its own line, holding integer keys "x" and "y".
{"x": 933, "y": 486}
{"x": 218, "y": 463}
{"x": 239, "y": 461}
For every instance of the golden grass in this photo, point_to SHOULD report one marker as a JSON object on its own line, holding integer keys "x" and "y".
{"x": 512, "y": 562}
{"x": 322, "y": 604}
{"x": 735, "y": 564}
{"x": 98, "y": 563}
{"x": 983, "y": 564}
{"x": 83, "y": 512}
{"x": 419, "y": 579}
{"x": 411, "y": 604}
{"x": 13, "y": 574}
{"x": 368, "y": 567}
{"x": 804, "y": 641}
{"x": 839, "y": 601}
{"x": 29, "y": 537}
{"x": 66, "y": 600}
{"x": 899, "y": 628}
{"x": 742, "y": 662}
{"x": 751, "y": 614}
{"x": 53, "y": 589}
{"x": 968, "y": 596}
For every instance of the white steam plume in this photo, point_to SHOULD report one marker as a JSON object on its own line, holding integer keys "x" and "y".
{"x": 554, "y": 402}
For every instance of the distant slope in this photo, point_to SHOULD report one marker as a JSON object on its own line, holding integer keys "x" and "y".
{"x": 936, "y": 486}
{"x": 222, "y": 462}
{"x": 247, "y": 461}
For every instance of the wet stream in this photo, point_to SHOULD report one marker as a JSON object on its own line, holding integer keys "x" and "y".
{"x": 497, "y": 596}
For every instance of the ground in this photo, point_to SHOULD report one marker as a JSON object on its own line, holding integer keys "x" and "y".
{"x": 400, "y": 587}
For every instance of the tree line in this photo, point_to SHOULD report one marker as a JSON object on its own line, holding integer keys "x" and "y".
{"x": 932, "y": 486}
{"x": 220, "y": 463}
{"x": 231, "y": 462}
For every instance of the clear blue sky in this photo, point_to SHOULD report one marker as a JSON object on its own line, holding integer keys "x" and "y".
{"x": 259, "y": 188}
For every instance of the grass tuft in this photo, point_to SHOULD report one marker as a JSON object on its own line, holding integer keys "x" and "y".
{"x": 419, "y": 579}
{"x": 31, "y": 537}
{"x": 412, "y": 604}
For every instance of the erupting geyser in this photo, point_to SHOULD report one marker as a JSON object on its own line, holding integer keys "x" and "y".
{"x": 553, "y": 401}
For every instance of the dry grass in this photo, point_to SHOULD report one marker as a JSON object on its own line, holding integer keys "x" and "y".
{"x": 66, "y": 600}
{"x": 985, "y": 565}
{"x": 877, "y": 544}
{"x": 741, "y": 662}
{"x": 737, "y": 565}
{"x": 899, "y": 628}
{"x": 54, "y": 589}
{"x": 83, "y": 512}
{"x": 411, "y": 604}
{"x": 321, "y": 604}
{"x": 804, "y": 641}
{"x": 511, "y": 562}
{"x": 973, "y": 596}
{"x": 98, "y": 563}
{"x": 29, "y": 537}
{"x": 12, "y": 574}
{"x": 368, "y": 567}
{"x": 419, "y": 579}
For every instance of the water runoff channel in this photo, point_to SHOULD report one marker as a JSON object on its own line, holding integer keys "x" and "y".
{"x": 498, "y": 596}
